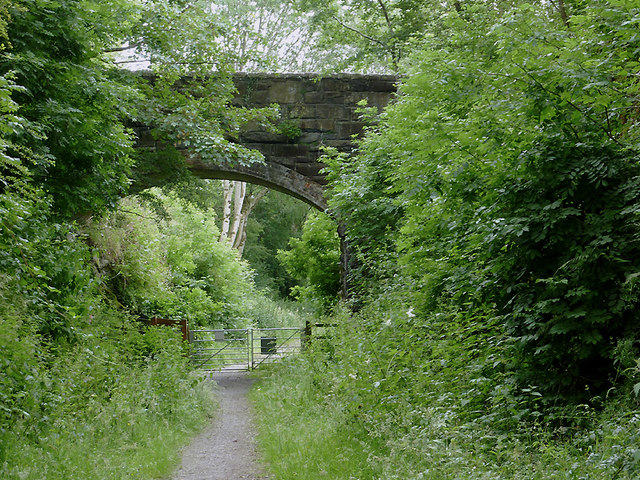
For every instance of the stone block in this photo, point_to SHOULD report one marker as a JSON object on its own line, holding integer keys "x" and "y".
{"x": 336, "y": 98}
{"x": 383, "y": 84}
{"x": 287, "y": 91}
{"x": 342, "y": 145}
{"x": 308, "y": 169}
{"x": 331, "y": 135}
{"x": 309, "y": 137}
{"x": 290, "y": 150}
{"x": 257, "y": 98}
{"x": 262, "y": 137}
{"x": 267, "y": 149}
{"x": 335, "y": 112}
{"x": 289, "y": 162}
{"x": 335, "y": 84}
{"x": 378, "y": 99}
{"x": 360, "y": 84}
{"x": 347, "y": 129}
{"x": 313, "y": 97}
{"x": 299, "y": 110}
{"x": 317, "y": 125}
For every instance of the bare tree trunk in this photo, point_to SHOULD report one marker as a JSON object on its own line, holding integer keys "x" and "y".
{"x": 239, "y": 192}
{"x": 227, "y": 193}
{"x": 234, "y": 227}
{"x": 247, "y": 208}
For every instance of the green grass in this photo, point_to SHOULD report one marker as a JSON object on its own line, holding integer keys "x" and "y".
{"x": 122, "y": 441}
{"x": 265, "y": 312}
{"x": 117, "y": 404}
{"x": 310, "y": 429}
{"x": 301, "y": 435}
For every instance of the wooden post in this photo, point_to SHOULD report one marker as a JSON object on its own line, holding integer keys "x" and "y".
{"x": 345, "y": 261}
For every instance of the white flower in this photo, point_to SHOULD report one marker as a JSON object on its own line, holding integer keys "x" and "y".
{"x": 410, "y": 313}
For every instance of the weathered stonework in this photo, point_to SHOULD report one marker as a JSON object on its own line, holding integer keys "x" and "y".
{"x": 324, "y": 111}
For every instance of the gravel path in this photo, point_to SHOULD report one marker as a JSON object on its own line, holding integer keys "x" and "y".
{"x": 226, "y": 450}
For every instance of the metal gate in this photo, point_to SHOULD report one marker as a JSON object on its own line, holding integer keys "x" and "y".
{"x": 243, "y": 349}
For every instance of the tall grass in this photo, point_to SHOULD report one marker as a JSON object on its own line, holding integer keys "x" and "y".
{"x": 266, "y": 312}
{"x": 303, "y": 435}
{"x": 333, "y": 413}
{"x": 117, "y": 403}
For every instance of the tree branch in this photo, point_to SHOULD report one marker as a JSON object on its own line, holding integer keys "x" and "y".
{"x": 364, "y": 35}
{"x": 570, "y": 103}
{"x": 560, "y": 6}
{"x": 123, "y": 48}
{"x": 386, "y": 16}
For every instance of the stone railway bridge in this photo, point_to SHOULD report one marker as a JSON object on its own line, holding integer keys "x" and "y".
{"x": 324, "y": 110}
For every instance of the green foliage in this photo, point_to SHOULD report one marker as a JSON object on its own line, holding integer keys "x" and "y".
{"x": 289, "y": 129}
{"x": 368, "y": 36}
{"x": 266, "y": 312}
{"x": 392, "y": 395}
{"x": 131, "y": 255}
{"x": 200, "y": 262}
{"x": 84, "y": 391}
{"x": 314, "y": 260}
{"x": 97, "y": 409}
{"x": 508, "y": 173}
{"x": 76, "y": 101}
{"x": 171, "y": 265}
{"x": 274, "y": 220}
{"x": 73, "y": 107}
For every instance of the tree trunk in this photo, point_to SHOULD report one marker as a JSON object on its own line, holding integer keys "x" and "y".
{"x": 227, "y": 193}
{"x": 563, "y": 13}
{"x": 235, "y": 200}
{"x": 239, "y": 192}
{"x": 247, "y": 208}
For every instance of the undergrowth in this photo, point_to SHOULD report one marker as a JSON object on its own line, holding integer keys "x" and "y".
{"x": 437, "y": 402}
{"x": 117, "y": 401}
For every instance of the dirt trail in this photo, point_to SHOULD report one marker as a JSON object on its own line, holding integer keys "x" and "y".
{"x": 226, "y": 450}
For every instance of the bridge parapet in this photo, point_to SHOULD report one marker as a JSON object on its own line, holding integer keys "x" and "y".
{"x": 322, "y": 110}
{"x": 315, "y": 112}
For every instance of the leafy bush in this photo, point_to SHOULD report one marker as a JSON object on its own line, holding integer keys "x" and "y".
{"x": 116, "y": 390}
{"x": 505, "y": 180}
{"x": 391, "y": 395}
{"x": 171, "y": 265}
{"x": 314, "y": 260}
{"x": 265, "y": 312}
{"x": 82, "y": 382}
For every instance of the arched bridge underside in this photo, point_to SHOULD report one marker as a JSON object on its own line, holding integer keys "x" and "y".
{"x": 319, "y": 111}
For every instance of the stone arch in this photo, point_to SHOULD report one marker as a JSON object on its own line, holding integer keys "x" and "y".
{"x": 322, "y": 111}
{"x": 319, "y": 111}
{"x": 270, "y": 175}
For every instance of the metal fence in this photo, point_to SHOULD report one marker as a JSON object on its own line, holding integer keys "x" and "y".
{"x": 243, "y": 349}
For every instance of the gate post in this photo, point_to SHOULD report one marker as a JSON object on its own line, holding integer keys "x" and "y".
{"x": 305, "y": 337}
{"x": 345, "y": 261}
{"x": 250, "y": 346}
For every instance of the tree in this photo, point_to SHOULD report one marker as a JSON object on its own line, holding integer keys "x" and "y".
{"x": 260, "y": 35}
{"x": 234, "y": 228}
{"x": 314, "y": 260}
{"x": 371, "y": 36}
{"x": 509, "y": 174}
{"x": 276, "y": 219}
{"x": 266, "y": 35}
{"x": 66, "y": 57}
